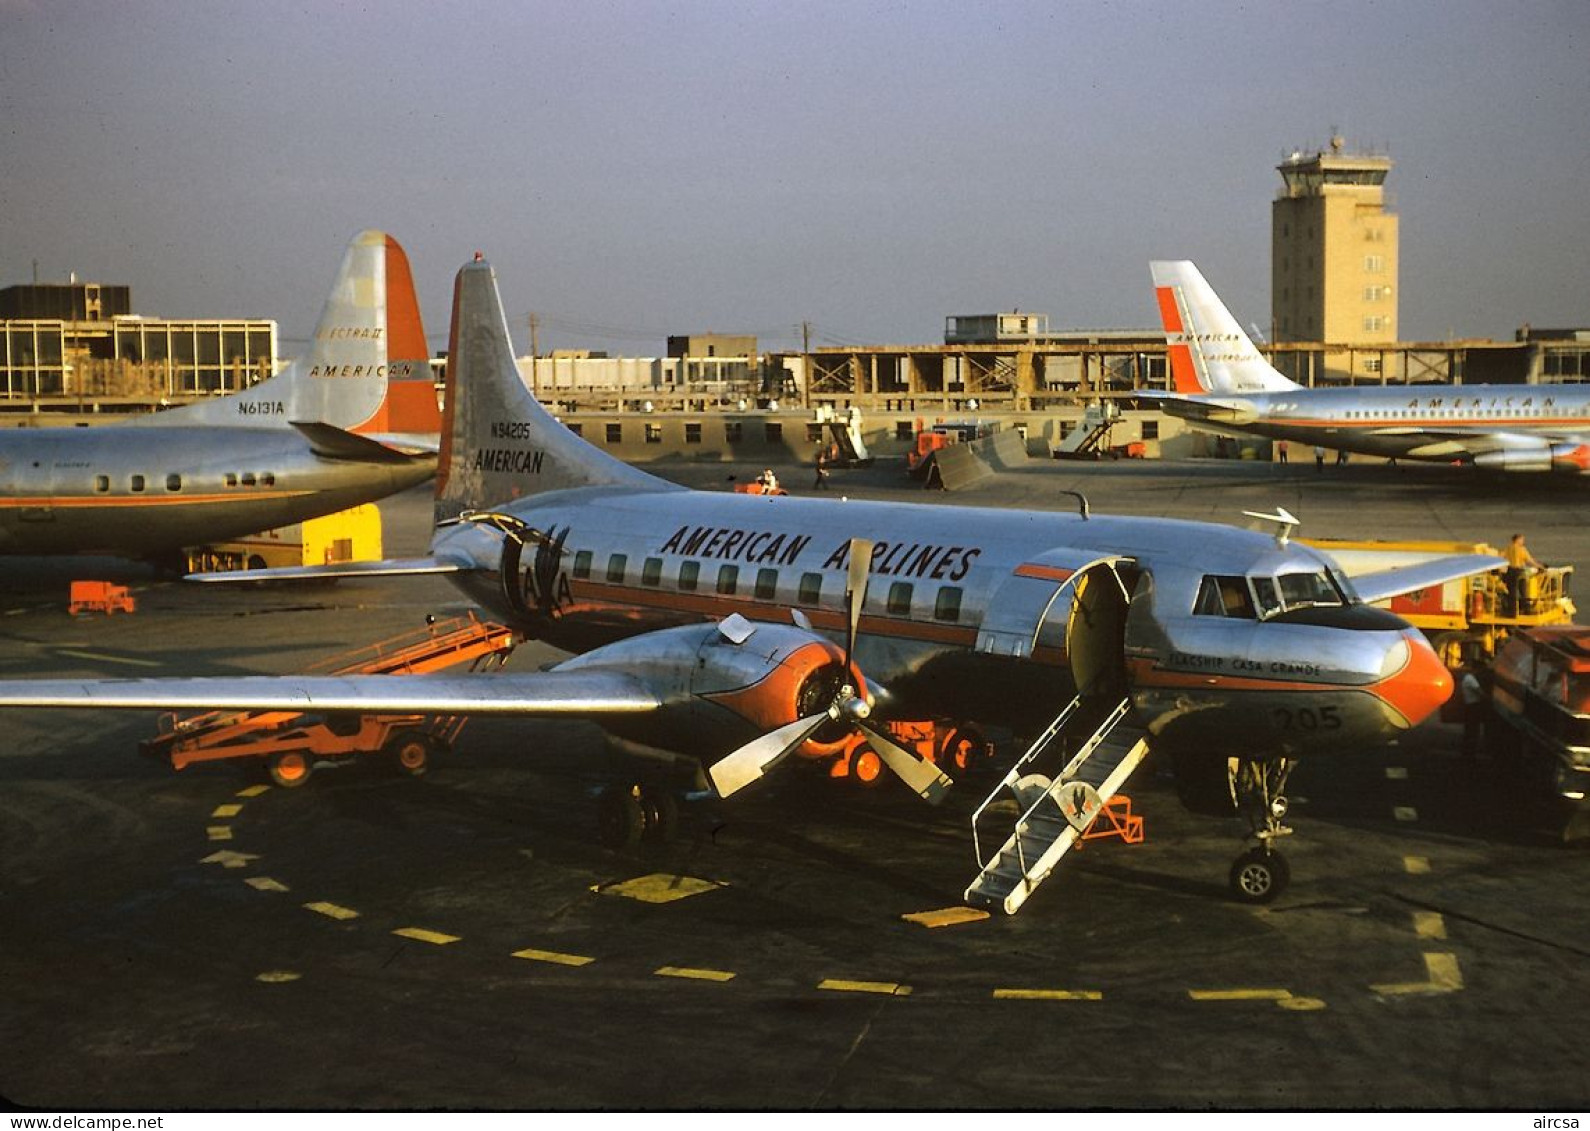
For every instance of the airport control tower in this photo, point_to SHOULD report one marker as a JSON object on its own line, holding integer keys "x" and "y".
{"x": 1333, "y": 260}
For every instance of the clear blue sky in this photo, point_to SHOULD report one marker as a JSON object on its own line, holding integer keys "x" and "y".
{"x": 639, "y": 169}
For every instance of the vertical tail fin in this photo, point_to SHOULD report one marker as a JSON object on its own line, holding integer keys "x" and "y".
{"x": 498, "y": 443}
{"x": 1209, "y": 351}
{"x": 367, "y": 370}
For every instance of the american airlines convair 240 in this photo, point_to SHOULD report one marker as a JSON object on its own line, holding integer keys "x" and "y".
{"x": 738, "y": 630}
{"x": 1221, "y": 380}
{"x": 350, "y": 423}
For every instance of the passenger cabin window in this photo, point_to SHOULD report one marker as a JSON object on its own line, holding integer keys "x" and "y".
{"x": 616, "y": 565}
{"x": 899, "y": 603}
{"x": 582, "y": 564}
{"x": 728, "y": 579}
{"x": 231, "y": 479}
{"x": 766, "y": 584}
{"x": 947, "y": 605}
{"x": 248, "y": 479}
{"x": 102, "y": 483}
{"x": 651, "y": 571}
{"x": 689, "y": 573}
{"x": 811, "y": 589}
{"x": 136, "y": 483}
{"x": 173, "y": 483}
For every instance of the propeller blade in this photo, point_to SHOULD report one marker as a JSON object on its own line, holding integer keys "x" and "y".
{"x": 856, "y": 589}
{"x": 739, "y": 769}
{"x": 930, "y": 782}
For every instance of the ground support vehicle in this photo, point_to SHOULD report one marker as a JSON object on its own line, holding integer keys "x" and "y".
{"x": 1468, "y": 620}
{"x": 352, "y": 535}
{"x": 100, "y": 597}
{"x": 1539, "y": 723}
{"x": 291, "y": 743}
{"x": 957, "y": 750}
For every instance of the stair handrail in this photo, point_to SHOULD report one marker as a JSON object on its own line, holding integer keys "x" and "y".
{"x": 1100, "y": 733}
{"x": 1039, "y": 745}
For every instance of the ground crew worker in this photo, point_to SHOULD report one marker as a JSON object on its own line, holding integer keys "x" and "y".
{"x": 1519, "y": 562}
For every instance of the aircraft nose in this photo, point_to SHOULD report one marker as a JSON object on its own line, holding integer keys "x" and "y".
{"x": 1419, "y": 688}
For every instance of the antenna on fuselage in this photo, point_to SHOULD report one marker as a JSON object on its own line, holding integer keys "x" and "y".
{"x": 1082, "y": 502}
{"x": 1284, "y": 521}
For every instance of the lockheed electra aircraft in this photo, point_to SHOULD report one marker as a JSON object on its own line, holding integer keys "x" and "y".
{"x": 737, "y": 630}
{"x": 279, "y": 452}
{"x": 1222, "y": 381}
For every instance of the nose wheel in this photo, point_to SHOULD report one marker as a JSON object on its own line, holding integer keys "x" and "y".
{"x": 1261, "y": 873}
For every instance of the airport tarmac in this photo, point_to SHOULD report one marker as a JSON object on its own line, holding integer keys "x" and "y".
{"x": 460, "y": 941}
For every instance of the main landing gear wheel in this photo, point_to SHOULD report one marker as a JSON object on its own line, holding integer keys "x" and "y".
{"x": 636, "y": 814}
{"x": 288, "y": 768}
{"x": 1259, "y": 875}
{"x": 410, "y": 752}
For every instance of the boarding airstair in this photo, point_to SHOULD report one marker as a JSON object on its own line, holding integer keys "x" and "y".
{"x": 1054, "y": 813}
{"x": 1088, "y": 437}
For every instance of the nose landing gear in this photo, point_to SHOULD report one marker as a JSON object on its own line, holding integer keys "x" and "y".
{"x": 1261, "y": 873}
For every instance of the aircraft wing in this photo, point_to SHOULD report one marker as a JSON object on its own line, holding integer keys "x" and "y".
{"x": 387, "y": 567}
{"x": 331, "y": 442}
{"x": 578, "y": 693}
{"x": 1393, "y": 581}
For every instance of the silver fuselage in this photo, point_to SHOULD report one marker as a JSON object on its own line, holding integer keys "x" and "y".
{"x": 143, "y": 491}
{"x": 622, "y": 562}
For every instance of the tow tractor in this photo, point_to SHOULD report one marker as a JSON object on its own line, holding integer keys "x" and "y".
{"x": 291, "y": 742}
{"x": 1540, "y": 721}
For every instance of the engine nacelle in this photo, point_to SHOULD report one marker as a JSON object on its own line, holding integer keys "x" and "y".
{"x": 1573, "y": 459}
{"x": 723, "y": 684}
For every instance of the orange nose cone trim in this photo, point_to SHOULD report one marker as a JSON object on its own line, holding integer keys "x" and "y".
{"x": 1421, "y": 687}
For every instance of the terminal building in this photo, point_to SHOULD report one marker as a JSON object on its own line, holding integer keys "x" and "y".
{"x": 79, "y": 347}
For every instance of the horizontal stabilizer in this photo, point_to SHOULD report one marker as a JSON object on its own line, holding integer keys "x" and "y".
{"x": 579, "y": 694}
{"x": 331, "y": 442}
{"x": 1393, "y": 582}
{"x": 389, "y": 567}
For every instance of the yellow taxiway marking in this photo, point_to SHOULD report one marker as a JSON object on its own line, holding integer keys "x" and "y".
{"x": 946, "y": 917}
{"x": 276, "y": 977}
{"x": 420, "y": 934}
{"x": 1239, "y": 995}
{"x": 698, "y": 975}
{"x": 229, "y": 859}
{"x": 104, "y": 659}
{"x": 265, "y": 883}
{"x": 331, "y": 910}
{"x": 1048, "y": 995}
{"x": 1405, "y": 813}
{"x": 1443, "y": 977}
{"x": 843, "y": 985}
{"x": 227, "y": 810}
{"x": 1429, "y": 925}
{"x": 554, "y": 957}
{"x": 253, "y": 791}
{"x": 659, "y": 887}
{"x": 1416, "y": 865}
{"x": 219, "y": 832}
{"x": 1396, "y": 773}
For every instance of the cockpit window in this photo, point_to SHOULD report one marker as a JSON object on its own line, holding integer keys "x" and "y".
{"x": 1224, "y": 597}
{"x": 1260, "y": 598}
{"x": 1299, "y": 590}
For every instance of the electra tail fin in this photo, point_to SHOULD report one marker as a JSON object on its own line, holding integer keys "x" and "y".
{"x": 367, "y": 370}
